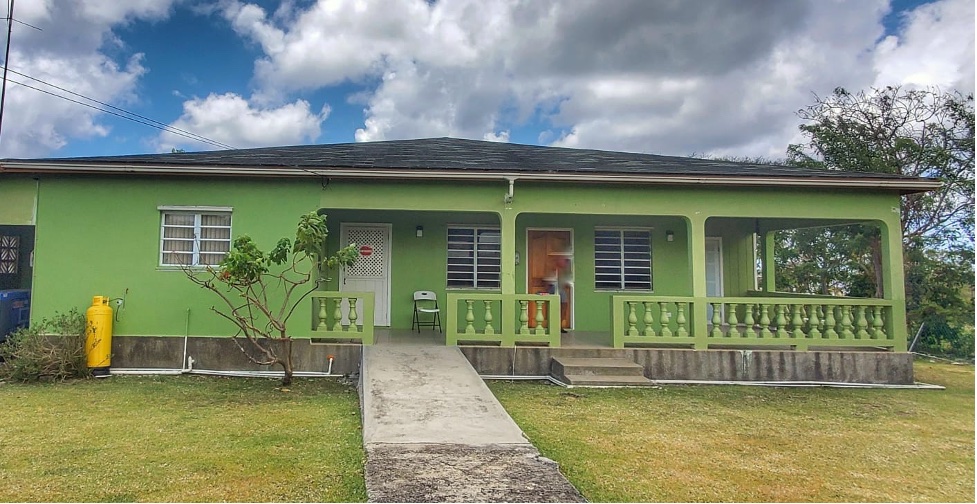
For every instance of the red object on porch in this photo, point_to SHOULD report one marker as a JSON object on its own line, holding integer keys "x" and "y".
{"x": 366, "y": 250}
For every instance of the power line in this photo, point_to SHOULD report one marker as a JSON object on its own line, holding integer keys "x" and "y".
{"x": 161, "y": 125}
{"x": 21, "y": 22}
{"x": 147, "y": 123}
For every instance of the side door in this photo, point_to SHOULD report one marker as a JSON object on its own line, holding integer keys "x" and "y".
{"x": 371, "y": 270}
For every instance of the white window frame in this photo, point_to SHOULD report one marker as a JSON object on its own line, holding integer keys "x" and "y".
{"x": 475, "y": 228}
{"x": 197, "y": 212}
{"x": 622, "y": 285}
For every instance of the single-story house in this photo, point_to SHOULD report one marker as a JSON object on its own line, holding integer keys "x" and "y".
{"x": 539, "y": 249}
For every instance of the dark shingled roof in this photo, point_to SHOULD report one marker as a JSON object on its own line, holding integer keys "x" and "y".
{"x": 452, "y": 154}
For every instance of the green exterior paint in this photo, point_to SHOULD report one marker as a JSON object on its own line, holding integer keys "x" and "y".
{"x": 797, "y": 322}
{"x": 18, "y": 197}
{"x": 525, "y": 318}
{"x": 100, "y": 236}
{"x": 327, "y": 320}
{"x": 769, "y": 264}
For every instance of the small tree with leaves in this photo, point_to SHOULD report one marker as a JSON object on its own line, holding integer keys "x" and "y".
{"x": 261, "y": 290}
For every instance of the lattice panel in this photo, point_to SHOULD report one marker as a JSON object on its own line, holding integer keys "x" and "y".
{"x": 368, "y": 265}
{"x": 9, "y": 253}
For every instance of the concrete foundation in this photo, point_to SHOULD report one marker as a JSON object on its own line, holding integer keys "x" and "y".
{"x": 719, "y": 365}
{"x": 223, "y": 354}
{"x": 659, "y": 363}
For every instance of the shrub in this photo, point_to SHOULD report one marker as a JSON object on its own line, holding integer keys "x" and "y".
{"x": 53, "y": 349}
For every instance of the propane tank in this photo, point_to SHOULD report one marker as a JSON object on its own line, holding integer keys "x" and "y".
{"x": 98, "y": 340}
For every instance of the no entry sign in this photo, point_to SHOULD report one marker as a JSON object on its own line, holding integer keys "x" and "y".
{"x": 366, "y": 250}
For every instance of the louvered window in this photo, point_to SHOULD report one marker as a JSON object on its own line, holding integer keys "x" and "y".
{"x": 622, "y": 259}
{"x": 194, "y": 238}
{"x": 474, "y": 257}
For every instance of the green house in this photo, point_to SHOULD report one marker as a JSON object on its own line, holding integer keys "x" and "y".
{"x": 524, "y": 246}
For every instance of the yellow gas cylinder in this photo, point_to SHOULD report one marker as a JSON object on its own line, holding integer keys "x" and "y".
{"x": 98, "y": 342}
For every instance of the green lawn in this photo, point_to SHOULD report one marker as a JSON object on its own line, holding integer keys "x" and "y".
{"x": 180, "y": 438}
{"x": 735, "y": 443}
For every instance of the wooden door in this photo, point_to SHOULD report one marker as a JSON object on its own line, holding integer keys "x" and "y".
{"x": 550, "y": 268}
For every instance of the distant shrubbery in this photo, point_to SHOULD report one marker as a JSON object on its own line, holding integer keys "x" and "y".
{"x": 53, "y": 349}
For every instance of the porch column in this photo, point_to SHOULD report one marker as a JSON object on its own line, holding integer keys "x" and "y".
{"x": 697, "y": 262}
{"x": 893, "y": 280}
{"x": 768, "y": 262}
{"x": 508, "y": 280}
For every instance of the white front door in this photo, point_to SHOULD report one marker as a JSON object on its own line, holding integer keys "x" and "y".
{"x": 714, "y": 271}
{"x": 371, "y": 270}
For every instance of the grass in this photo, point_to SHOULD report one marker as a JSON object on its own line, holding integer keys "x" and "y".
{"x": 734, "y": 443}
{"x": 180, "y": 439}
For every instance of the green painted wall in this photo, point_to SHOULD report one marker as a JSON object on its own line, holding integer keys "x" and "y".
{"x": 17, "y": 195}
{"x": 100, "y": 235}
{"x": 738, "y": 254}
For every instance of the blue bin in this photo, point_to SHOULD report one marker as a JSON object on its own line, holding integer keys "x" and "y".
{"x": 15, "y": 310}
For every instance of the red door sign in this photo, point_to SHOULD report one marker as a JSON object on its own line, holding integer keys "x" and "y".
{"x": 366, "y": 250}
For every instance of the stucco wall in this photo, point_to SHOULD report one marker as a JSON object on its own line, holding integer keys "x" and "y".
{"x": 100, "y": 235}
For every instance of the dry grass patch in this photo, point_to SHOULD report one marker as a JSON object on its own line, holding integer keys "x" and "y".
{"x": 755, "y": 444}
{"x": 180, "y": 439}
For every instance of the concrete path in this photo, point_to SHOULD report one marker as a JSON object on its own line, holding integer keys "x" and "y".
{"x": 434, "y": 432}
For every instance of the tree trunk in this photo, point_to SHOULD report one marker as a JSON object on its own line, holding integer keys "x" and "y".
{"x": 287, "y": 361}
{"x": 876, "y": 245}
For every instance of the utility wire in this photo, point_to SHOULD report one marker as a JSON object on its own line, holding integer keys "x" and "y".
{"x": 21, "y": 22}
{"x": 147, "y": 123}
{"x": 161, "y": 125}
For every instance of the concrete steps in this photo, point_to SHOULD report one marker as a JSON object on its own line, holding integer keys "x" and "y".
{"x": 598, "y": 371}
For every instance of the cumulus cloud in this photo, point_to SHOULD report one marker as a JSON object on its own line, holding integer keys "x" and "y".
{"x": 666, "y": 77}
{"x": 230, "y": 119}
{"x": 935, "y": 48}
{"x": 68, "y": 52}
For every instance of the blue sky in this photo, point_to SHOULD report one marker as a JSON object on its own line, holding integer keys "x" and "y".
{"x": 668, "y": 77}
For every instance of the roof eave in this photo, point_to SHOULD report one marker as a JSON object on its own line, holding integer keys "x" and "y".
{"x": 904, "y": 186}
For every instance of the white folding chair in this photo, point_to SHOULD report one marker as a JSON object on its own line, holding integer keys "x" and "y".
{"x": 426, "y": 304}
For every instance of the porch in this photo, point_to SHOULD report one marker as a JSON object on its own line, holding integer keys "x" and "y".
{"x": 754, "y": 322}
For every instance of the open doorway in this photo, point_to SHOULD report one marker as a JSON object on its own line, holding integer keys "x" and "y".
{"x": 549, "y": 267}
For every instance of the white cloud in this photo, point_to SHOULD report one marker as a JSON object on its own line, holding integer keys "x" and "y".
{"x": 67, "y": 52}
{"x": 664, "y": 77}
{"x": 230, "y": 119}
{"x": 667, "y": 76}
{"x": 502, "y": 136}
{"x": 936, "y": 48}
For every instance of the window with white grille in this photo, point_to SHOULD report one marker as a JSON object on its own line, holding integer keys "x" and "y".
{"x": 622, "y": 259}
{"x": 474, "y": 258}
{"x": 9, "y": 253}
{"x": 194, "y": 238}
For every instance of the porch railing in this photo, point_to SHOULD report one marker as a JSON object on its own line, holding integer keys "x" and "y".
{"x": 342, "y": 316}
{"x": 504, "y": 318}
{"x": 799, "y": 322}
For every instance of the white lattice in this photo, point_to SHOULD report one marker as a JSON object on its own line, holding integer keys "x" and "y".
{"x": 371, "y": 265}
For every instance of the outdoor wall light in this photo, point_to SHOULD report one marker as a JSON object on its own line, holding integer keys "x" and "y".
{"x": 420, "y": 231}
{"x": 669, "y": 236}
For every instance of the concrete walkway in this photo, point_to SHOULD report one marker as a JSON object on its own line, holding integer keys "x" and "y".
{"x": 433, "y": 432}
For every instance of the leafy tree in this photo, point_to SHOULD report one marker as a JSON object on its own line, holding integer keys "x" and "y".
{"x": 923, "y": 133}
{"x": 261, "y": 290}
